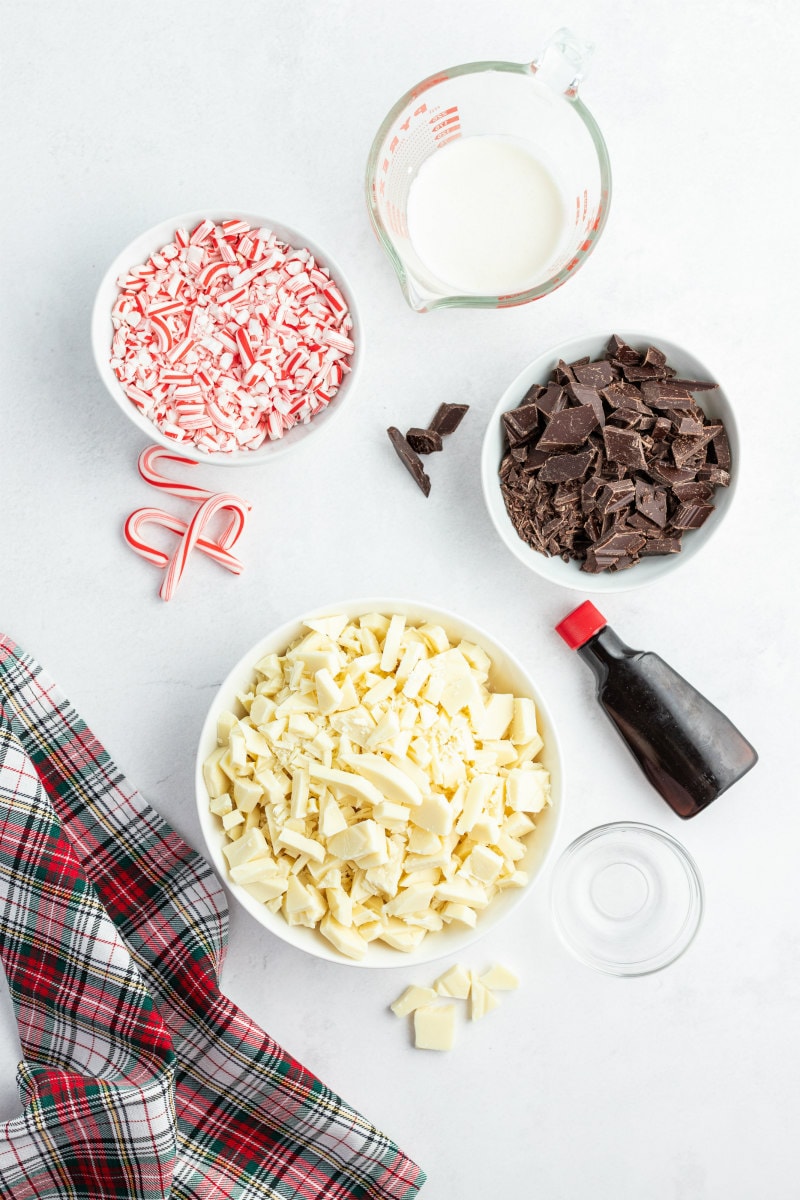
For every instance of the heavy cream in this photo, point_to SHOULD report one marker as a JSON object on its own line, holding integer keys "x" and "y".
{"x": 485, "y": 216}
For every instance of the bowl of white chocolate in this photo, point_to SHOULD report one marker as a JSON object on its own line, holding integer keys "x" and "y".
{"x": 379, "y": 782}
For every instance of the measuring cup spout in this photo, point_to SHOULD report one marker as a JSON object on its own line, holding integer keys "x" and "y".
{"x": 564, "y": 62}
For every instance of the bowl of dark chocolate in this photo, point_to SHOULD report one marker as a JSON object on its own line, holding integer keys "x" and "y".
{"x": 610, "y": 460}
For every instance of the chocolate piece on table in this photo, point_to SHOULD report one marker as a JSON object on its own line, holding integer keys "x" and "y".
{"x": 624, "y": 446}
{"x": 691, "y": 516}
{"x": 521, "y": 423}
{"x": 570, "y": 427}
{"x": 424, "y": 441}
{"x": 448, "y": 418}
{"x": 410, "y": 460}
{"x": 562, "y": 467}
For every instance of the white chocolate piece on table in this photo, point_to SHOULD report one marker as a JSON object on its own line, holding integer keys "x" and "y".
{"x": 435, "y": 1027}
{"x": 413, "y": 997}
{"x": 499, "y": 978}
{"x": 455, "y": 982}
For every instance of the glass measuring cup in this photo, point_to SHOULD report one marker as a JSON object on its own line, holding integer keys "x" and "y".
{"x": 533, "y": 103}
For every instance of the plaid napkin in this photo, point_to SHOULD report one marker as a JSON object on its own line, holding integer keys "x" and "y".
{"x": 140, "y": 1079}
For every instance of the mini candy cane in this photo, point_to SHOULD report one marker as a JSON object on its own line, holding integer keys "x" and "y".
{"x": 190, "y": 532}
{"x": 157, "y": 516}
{"x": 148, "y": 462}
{"x": 191, "y": 538}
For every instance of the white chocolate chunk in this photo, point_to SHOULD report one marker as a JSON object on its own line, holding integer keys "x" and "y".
{"x": 344, "y": 938}
{"x": 393, "y": 783}
{"x": 391, "y": 646}
{"x": 330, "y": 627}
{"x": 527, "y": 790}
{"x": 435, "y": 1027}
{"x": 216, "y": 780}
{"x": 290, "y": 840}
{"x": 481, "y": 1000}
{"x": 433, "y": 814}
{"x": 455, "y": 982}
{"x": 331, "y": 820}
{"x": 483, "y": 864}
{"x": 412, "y": 998}
{"x": 498, "y": 713}
{"x": 460, "y": 913}
{"x": 414, "y": 899}
{"x": 266, "y": 890}
{"x": 359, "y": 841}
{"x": 251, "y": 845}
{"x": 499, "y": 978}
{"x": 232, "y": 819}
{"x": 329, "y": 694}
{"x": 349, "y": 782}
{"x": 390, "y": 815}
{"x": 523, "y": 726}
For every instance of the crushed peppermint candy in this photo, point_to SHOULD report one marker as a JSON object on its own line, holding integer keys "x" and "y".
{"x": 227, "y": 337}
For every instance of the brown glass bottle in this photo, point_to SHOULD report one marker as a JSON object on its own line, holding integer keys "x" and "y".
{"x": 689, "y": 750}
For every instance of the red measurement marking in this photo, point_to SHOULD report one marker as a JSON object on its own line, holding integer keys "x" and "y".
{"x": 442, "y": 140}
{"x": 443, "y": 124}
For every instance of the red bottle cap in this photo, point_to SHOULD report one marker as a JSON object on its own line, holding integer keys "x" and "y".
{"x": 581, "y": 624}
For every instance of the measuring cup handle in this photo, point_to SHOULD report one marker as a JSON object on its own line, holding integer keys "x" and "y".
{"x": 563, "y": 62}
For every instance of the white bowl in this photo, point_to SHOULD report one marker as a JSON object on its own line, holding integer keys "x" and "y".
{"x": 102, "y": 330}
{"x": 507, "y": 674}
{"x": 568, "y": 574}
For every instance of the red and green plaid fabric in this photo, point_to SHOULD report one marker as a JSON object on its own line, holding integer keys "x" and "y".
{"x": 140, "y": 1079}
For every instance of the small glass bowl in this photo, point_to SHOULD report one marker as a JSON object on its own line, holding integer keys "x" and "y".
{"x": 626, "y": 898}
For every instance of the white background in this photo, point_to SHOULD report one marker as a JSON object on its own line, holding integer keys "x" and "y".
{"x": 678, "y": 1086}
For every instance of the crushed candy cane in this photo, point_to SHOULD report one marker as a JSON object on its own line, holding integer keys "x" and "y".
{"x": 227, "y": 337}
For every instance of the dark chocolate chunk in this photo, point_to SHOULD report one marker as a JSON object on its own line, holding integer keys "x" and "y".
{"x": 660, "y": 545}
{"x": 621, "y": 352}
{"x": 684, "y": 449}
{"x": 665, "y": 394}
{"x": 615, "y": 496}
{"x": 652, "y": 502}
{"x": 661, "y": 428}
{"x": 552, "y": 400}
{"x": 715, "y": 475}
{"x": 721, "y": 447}
{"x": 410, "y": 460}
{"x": 624, "y": 446}
{"x": 448, "y": 418}
{"x": 424, "y": 441}
{"x": 521, "y": 423}
{"x": 595, "y": 374}
{"x": 691, "y": 516}
{"x": 694, "y": 385}
{"x": 692, "y": 491}
{"x": 570, "y": 427}
{"x": 561, "y": 467}
{"x": 582, "y": 394}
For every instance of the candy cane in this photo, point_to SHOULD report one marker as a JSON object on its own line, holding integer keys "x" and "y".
{"x": 157, "y": 516}
{"x": 148, "y": 462}
{"x": 192, "y": 536}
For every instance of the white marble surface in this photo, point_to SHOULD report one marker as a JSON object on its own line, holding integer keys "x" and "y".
{"x": 679, "y": 1086}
